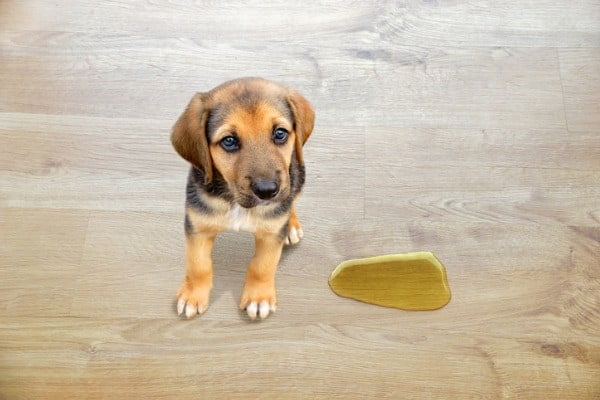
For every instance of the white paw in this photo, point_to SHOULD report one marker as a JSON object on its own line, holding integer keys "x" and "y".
{"x": 294, "y": 236}
{"x": 261, "y": 309}
{"x": 190, "y": 309}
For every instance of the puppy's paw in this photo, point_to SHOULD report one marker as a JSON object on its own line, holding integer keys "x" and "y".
{"x": 192, "y": 299}
{"x": 295, "y": 232}
{"x": 258, "y": 300}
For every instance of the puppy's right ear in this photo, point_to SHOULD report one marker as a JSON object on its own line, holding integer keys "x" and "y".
{"x": 189, "y": 136}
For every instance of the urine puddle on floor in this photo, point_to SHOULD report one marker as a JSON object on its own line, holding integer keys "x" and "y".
{"x": 412, "y": 281}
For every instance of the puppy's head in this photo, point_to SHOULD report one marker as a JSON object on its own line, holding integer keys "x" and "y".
{"x": 249, "y": 131}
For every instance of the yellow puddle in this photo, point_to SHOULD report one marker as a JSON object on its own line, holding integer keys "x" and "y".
{"x": 413, "y": 281}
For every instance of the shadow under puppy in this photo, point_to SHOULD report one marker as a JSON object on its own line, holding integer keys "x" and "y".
{"x": 244, "y": 140}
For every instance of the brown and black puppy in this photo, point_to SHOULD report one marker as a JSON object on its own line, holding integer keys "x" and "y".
{"x": 244, "y": 140}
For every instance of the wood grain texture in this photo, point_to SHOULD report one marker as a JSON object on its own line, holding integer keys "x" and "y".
{"x": 465, "y": 128}
{"x": 41, "y": 252}
{"x": 484, "y": 175}
{"x": 579, "y": 70}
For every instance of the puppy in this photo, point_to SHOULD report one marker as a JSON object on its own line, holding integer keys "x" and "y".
{"x": 244, "y": 140}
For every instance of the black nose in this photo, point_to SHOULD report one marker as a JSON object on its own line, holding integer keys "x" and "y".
{"x": 265, "y": 189}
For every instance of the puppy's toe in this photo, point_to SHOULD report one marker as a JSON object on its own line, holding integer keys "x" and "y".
{"x": 180, "y": 306}
{"x": 295, "y": 233}
{"x": 192, "y": 301}
{"x": 261, "y": 310}
{"x": 251, "y": 310}
{"x": 258, "y": 302}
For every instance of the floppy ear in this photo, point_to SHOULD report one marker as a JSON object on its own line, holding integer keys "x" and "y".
{"x": 189, "y": 136}
{"x": 304, "y": 120}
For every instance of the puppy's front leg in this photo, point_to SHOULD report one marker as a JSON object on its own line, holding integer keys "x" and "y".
{"x": 259, "y": 297}
{"x": 295, "y": 232}
{"x": 194, "y": 293}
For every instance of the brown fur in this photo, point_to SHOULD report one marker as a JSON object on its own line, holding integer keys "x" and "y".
{"x": 220, "y": 187}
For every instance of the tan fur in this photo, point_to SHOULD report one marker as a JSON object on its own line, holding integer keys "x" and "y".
{"x": 260, "y": 276}
{"x": 251, "y": 129}
{"x": 188, "y": 135}
{"x": 198, "y": 277}
{"x": 294, "y": 221}
{"x": 303, "y": 113}
{"x": 258, "y": 158}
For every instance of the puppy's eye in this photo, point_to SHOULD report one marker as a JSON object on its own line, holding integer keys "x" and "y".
{"x": 230, "y": 144}
{"x": 280, "y": 136}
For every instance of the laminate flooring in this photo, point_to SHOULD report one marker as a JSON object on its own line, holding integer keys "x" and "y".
{"x": 466, "y": 128}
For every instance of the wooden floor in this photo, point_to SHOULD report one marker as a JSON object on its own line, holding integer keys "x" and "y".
{"x": 466, "y": 128}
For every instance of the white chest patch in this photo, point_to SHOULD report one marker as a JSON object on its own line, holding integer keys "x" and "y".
{"x": 240, "y": 219}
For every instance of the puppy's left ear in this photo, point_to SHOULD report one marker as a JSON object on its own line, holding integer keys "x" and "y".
{"x": 304, "y": 121}
{"x": 189, "y": 136}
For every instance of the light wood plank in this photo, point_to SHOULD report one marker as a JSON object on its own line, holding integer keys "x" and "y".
{"x": 402, "y": 86}
{"x": 528, "y": 23}
{"x": 203, "y": 20}
{"x": 580, "y": 72}
{"x": 486, "y": 175}
{"x": 466, "y": 128}
{"x": 41, "y": 252}
{"x": 91, "y": 163}
{"x": 200, "y": 362}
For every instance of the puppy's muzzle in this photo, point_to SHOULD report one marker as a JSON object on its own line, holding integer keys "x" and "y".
{"x": 265, "y": 189}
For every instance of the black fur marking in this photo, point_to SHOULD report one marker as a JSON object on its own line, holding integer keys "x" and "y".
{"x": 217, "y": 188}
{"x": 189, "y": 228}
{"x": 193, "y": 198}
{"x": 297, "y": 175}
{"x": 284, "y": 207}
{"x": 297, "y": 178}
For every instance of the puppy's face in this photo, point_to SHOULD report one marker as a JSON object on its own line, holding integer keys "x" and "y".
{"x": 252, "y": 148}
{"x": 249, "y": 131}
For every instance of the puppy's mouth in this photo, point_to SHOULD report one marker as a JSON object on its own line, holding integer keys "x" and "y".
{"x": 250, "y": 200}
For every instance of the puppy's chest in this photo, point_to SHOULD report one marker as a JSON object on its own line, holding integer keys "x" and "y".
{"x": 240, "y": 219}
{"x": 235, "y": 218}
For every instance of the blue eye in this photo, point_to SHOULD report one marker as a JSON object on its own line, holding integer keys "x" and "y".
{"x": 230, "y": 144}
{"x": 280, "y": 136}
